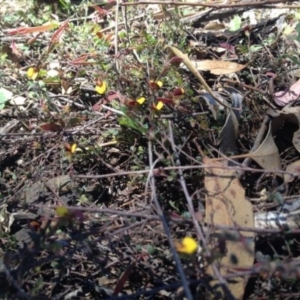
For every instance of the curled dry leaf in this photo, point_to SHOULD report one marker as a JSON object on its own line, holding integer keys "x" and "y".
{"x": 6, "y": 219}
{"x": 267, "y": 154}
{"x": 211, "y": 103}
{"x": 214, "y": 26}
{"x": 218, "y": 67}
{"x": 291, "y": 115}
{"x": 282, "y": 98}
{"x": 53, "y": 127}
{"x": 226, "y": 205}
{"x": 37, "y": 29}
{"x": 229, "y": 131}
{"x": 292, "y": 168}
{"x": 190, "y": 66}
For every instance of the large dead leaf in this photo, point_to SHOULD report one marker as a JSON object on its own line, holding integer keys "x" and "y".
{"x": 229, "y": 131}
{"x": 210, "y": 101}
{"x": 190, "y": 66}
{"x": 226, "y": 205}
{"x": 288, "y": 115}
{"x": 292, "y": 168}
{"x": 214, "y": 26}
{"x": 218, "y": 67}
{"x": 296, "y": 112}
{"x": 267, "y": 155}
{"x": 26, "y": 30}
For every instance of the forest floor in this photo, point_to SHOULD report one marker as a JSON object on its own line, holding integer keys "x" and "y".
{"x": 149, "y": 150}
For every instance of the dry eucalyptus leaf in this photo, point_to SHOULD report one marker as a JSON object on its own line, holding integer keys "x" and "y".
{"x": 214, "y": 26}
{"x": 296, "y": 73}
{"x": 282, "y": 98}
{"x": 19, "y": 101}
{"x": 296, "y": 140}
{"x": 292, "y": 168}
{"x": 211, "y": 103}
{"x": 226, "y": 205}
{"x": 229, "y": 131}
{"x": 292, "y": 115}
{"x": 267, "y": 155}
{"x": 229, "y": 134}
{"x": 218, "y": 67}
{"x": 190, "y": 66}
{"x": 6, "y": 219}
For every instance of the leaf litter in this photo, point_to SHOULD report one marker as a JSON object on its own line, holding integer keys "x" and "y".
{"x": 95, "y": 215}
{"x": 226, "y": 205}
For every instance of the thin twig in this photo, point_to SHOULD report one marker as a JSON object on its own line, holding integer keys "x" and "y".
{"x": 165, "y": 226}
{"x": 215, "y": 5}
{"x": 118, "y": 112}
{"x": 116, "y": 35}
{"x": 148, "y": 217}
{"x": 199, "y": 231}
{"x": 259, "y": 138}
{"x": 141, "y": 172}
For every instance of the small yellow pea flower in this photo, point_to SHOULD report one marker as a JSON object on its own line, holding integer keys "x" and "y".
{"x": 155, "y": 85}
{"x": 159, "y": 83}
{"x": 32, "y": 73}
{"x": 101, "y": 87}
{"x": 70, "y": 150}
{"x": 141, "y": 100}
{"x": 188, "y": 245}
{"x": 159, "y": 105}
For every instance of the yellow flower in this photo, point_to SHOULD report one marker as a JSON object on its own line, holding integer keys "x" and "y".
{"x": 70, "y": 150}
{"x": 101, "y": 87}
{"x": 155, "y": 85}
{"x": 32, "y": 73}
{"x": 62, "y": 211}
{"x": 188, "y": 245}
{"x": 159, "y": 83}
{"x": 159, "y": 105}
{"x": 140, "y": 100}
{"x": 73, "y": 148}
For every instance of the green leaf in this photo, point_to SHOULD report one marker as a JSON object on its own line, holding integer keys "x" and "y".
{"x": 54, "y": 265}
{"x": 235, "y": 23}
{"x": 150, "y": 249}
{"x": 83, "y": 199}
{"x": 131, "y": 123}
{"x": 255, "y": 48}
{"x": 173, "y": 205}
{"x": 38, "y": 286}
{"x": 298, "y": 31}
{"x": 5, "y": 95}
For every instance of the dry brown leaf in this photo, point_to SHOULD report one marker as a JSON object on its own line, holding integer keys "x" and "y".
{"x": 287, "y": 115}
{"x": 267, "y": 155}
{"x": 188, "y": 63}
{"x": 229, "y": 131}
{"x": 218, "y": 67}
{"x": 296, "y": 140}
{"x": 288, "y": 111}
{"x": 214, "y": 25}
{"x": 292, "y": 168}
{"x": 226, "y": 205}
{"x": 282, "y": 98}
